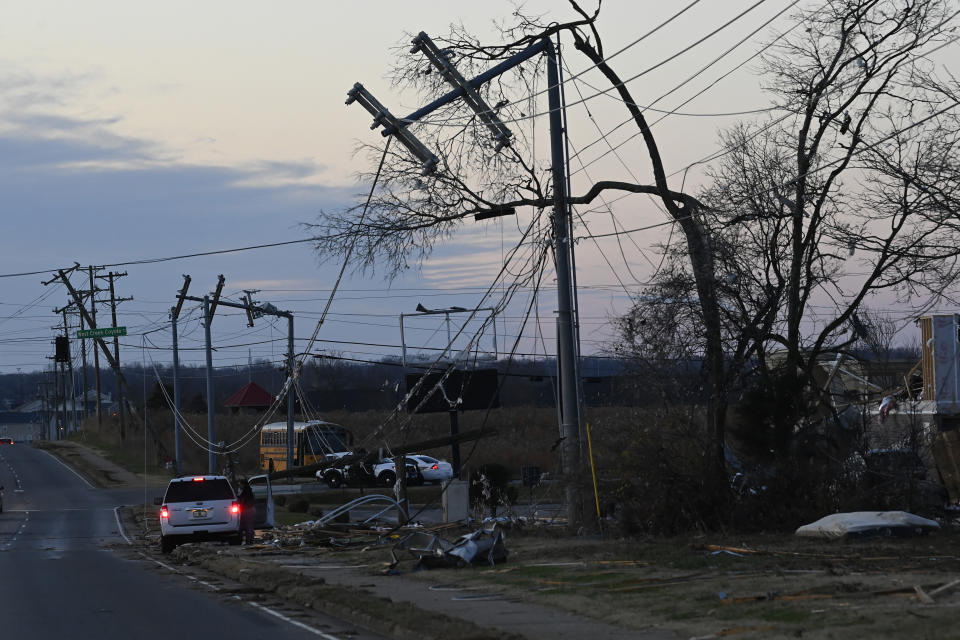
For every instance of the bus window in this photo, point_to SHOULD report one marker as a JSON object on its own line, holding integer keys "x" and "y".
{"x": 325, "y": 440}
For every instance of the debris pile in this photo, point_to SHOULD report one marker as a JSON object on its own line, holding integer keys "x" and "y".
{"x": 430, "y": 550}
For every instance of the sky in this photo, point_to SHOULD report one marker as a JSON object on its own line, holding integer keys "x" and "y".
{"x": 132, "y": 132}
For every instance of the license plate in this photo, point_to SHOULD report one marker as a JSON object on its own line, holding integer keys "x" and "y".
{"x": 199, "y": 514}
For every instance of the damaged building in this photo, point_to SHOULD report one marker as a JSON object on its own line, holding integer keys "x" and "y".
{"x": 917, "y": 418}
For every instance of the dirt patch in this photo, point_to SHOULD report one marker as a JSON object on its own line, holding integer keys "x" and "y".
{"x": 765, "y": 586}
{"x": 759, "y": 586}
{"x": 93, "y": 465}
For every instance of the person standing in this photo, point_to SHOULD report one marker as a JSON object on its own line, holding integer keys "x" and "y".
{"x": 248, "y": 511}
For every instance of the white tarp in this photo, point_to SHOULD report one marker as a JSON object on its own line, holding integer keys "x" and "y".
{"x": 892, "y": 523}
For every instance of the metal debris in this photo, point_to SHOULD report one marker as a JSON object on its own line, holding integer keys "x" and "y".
{"x": 432, "y": 551}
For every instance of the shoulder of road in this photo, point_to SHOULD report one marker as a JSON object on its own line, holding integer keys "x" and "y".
{"x": 95, "y": 467}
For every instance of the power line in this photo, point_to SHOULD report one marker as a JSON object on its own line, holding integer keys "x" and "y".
{"x": 624, "y": 82}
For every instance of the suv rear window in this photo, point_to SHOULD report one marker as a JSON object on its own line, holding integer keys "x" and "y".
{"x": 190, "y": 491}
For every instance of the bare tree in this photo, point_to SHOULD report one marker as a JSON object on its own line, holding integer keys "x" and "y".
{"x": 847, "y": 190}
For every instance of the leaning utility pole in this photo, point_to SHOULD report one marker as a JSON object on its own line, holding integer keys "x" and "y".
{"x": 177, "y": 418}
{"x": 253, "y": 311}
{"x": 570, "y": 401}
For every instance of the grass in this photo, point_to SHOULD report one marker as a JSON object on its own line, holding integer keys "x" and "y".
{"x": 284, "y": 518}
{"x": 128, "y": 455}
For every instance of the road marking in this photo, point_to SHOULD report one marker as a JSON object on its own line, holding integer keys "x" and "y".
{"x": 266, "y": 609}
{"x": 72, "y": 470}
{"x": 289, "y": 620}
{"x": 116, "y": 514}
{"x": 324, "y": 566}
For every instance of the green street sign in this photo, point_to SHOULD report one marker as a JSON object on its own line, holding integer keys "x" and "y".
{"x": 106, "y": 332}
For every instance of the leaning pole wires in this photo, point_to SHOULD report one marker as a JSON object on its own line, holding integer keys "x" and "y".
{"x": 253, "y": 311}
{"x": 563, "y": 248}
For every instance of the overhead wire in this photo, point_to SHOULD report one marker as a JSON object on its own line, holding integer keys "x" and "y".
{"x": 602, "y": 92}
{"x": 696, "y": 74}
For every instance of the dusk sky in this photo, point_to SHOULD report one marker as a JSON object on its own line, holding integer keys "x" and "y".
{"x": 131, "y": 132}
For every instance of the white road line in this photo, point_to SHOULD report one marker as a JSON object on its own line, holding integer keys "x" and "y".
{"x": 266, "y": 609}
{"x": 289, "y": 620}
{"x": 324, "y": 566}
{"x": 72, "y": 470}
{"x": 116, "y": 514}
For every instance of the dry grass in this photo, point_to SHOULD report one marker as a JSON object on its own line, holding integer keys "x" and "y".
{"x": 525, "y": 436}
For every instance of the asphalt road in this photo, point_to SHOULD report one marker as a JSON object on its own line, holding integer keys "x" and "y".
{"x": 66, "y": 570}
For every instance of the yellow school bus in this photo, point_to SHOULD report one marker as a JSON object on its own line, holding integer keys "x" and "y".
{"x": 313, "y": 440}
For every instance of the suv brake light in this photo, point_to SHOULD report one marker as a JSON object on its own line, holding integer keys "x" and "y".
{"x": 235, "y": 508}
{"x": 164, "y": 513}
{"x": 198, "y": 479}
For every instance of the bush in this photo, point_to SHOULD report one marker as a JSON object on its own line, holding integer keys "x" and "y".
{"x": 665, "y": 485}
{"x": 490, "y": 487}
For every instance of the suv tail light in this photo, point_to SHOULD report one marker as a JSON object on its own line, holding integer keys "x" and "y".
{"x": 234, "y": 508}
{"x": 164, "y": 513}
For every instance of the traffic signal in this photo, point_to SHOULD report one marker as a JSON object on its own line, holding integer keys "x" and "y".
{"x": 62, "y": 350}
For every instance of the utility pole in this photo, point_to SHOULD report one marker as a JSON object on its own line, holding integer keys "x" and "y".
{"x": 211, "y": 425}
{"x": 43, "y": 390}
{"x": 570, "y": 402}
{"x": 72, "y": 394}
{"x": 53, "y": 429}
{"x": 209, "y": 308}
{"x": 253, "y": 311}
{"x": 63, "y": 386}
{"x": 61, "y": 355}
{"x": 110, "y": 277}
{"x": 96, "y": 353}
{"x": 83, "y": 371}
{"x": 177, "y": 425}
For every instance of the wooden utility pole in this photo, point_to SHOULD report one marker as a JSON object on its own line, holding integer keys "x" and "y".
{"x": 569, "y": 400}
{"x": 83, "y": 371}
{"x": 122, "y": 413}
{"x": 52, "y": 428}
{"x": 253, "y": 311}
{"x": 72, "y": 393}
{"x": 177, "y": 437}
{"x": 96, "y": 353}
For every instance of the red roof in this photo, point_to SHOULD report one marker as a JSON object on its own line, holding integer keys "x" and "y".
{"x": 251, "y": 395}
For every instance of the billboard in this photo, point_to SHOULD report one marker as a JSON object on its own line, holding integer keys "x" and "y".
{"x": 476, "y": 389}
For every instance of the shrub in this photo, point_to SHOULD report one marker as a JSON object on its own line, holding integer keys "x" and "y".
{"x": 490, "y": 487}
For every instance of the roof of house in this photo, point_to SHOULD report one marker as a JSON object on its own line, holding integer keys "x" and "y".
{"x": 250, "y": 395}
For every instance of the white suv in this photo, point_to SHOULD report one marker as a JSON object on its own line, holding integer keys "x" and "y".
{"x": 198, "y": 508}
